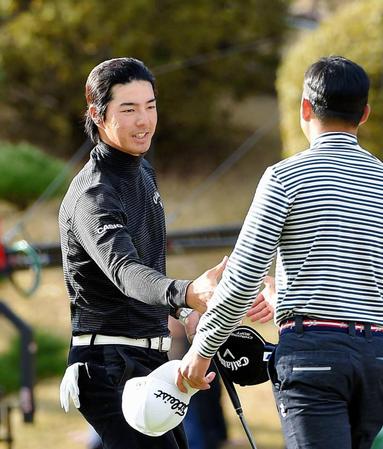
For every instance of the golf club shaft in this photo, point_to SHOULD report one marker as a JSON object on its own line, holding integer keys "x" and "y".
{"x": 247, "y": 430}
{"x": 230, "y": 388}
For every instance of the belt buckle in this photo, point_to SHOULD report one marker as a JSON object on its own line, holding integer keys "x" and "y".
{"x": 163, "y": 345}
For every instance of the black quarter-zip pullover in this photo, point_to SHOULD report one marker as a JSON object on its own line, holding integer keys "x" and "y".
{"x": 113, "y": 242}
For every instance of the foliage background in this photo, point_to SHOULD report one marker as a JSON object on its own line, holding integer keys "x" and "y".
{"x": 50, "y": 359}
{"x": 47, "y": 49}
{"x": 355, "y": 32}
{"x": 26, "y": 172}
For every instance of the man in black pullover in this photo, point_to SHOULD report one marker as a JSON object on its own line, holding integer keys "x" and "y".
{"x": 113, "y": 242}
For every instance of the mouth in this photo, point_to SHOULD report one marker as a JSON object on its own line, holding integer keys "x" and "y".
{"x": 141, "y": 136}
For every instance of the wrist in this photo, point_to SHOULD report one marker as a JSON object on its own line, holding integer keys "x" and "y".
{"x": 189, "y": 296}
{"x": 183, "y": 313}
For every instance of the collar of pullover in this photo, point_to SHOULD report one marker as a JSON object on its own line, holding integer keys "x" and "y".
{"x": 120, "y": 161}
{"x": 334, "y": 139}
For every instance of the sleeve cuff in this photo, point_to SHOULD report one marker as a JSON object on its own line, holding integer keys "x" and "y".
{"x": 176, "y": 294}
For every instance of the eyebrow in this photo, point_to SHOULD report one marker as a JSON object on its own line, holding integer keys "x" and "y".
{"x": 135, "y": 104}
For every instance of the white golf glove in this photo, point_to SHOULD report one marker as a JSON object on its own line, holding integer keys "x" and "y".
{"x": 69, "y": 387}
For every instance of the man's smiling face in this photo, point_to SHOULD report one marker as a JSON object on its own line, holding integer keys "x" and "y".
{"x": 131, "y": 118}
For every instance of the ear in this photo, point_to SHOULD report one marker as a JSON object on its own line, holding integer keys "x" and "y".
{"x": 366, "y": 114}
{"x": 95, "y": 115}
{"x": 306, "y": 110}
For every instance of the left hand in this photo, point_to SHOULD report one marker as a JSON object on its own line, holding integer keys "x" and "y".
{"x": 191, "y": 323}
{"x": 193, "y": 371}
{"x": 263, "y": 307}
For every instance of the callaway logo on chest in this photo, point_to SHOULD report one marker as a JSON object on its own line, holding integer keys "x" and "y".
{"x": 157, "y": 198}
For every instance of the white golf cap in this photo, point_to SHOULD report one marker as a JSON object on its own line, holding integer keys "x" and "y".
{"x": 153, "y": 404}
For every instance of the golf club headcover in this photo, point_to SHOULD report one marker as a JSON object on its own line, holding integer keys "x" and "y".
{"x": 243, "y": 357}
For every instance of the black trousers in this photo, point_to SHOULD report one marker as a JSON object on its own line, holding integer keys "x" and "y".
{"x": 328, "y": 387}
{"x": 101, "y": 386}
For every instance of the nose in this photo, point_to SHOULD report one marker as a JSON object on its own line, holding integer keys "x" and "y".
{"x": 142, "y": 119}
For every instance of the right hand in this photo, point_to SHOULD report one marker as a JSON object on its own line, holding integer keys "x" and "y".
{"x": 193, "y": 370}
{"x": 201, "y": 289}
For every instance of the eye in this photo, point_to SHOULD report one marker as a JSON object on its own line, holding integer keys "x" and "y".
{"x": 153, "y": 106}
{"x": 127, "y": 110}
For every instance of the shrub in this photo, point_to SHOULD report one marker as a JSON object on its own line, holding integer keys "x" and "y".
{"x": 50, "y": 360}
{"x": 26, "y": 172}
{"x": 355, "y": 32}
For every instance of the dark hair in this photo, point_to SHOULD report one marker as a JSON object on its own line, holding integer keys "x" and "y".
{"x": 337, "y": 89}
{"x": 98, "y": 87}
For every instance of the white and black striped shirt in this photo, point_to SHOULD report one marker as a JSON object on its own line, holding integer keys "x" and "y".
{"x": 321, "y": 212}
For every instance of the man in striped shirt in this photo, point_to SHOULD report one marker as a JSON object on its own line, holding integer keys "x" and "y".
{"x": 320, "y": 212}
